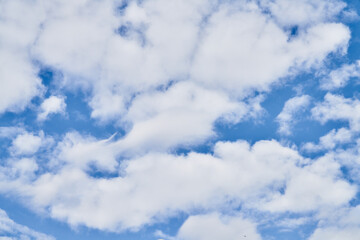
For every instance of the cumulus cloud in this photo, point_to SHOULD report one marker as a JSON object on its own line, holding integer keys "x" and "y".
{"x": 166, "y": 72}
{"x": 329, "y": 141}
{"x": 10, "y": 230}
{"x": 339, "y": 77}
{"x": 27, "y": 143}
{"x": 149, "y": 44}
{"x": 237, "y": 173}
{"x": 291, "y": 109}
{"x": 239, "y": 66}
{"x": 214, "y": 226}
{"x": 18, "y": 76}
{"x": 344, "y": 224}
{"x": 303, "y": 12}
{"x": 335, "y": 108}
{"x": 51, "y": 105}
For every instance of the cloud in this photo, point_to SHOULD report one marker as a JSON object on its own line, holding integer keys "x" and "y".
{"x": 335, "y": 108}
{"x": 292, "y": 107}
{"x": 339, "y": 77}
{"x": 165, "y": 73}
{"x": 215, "y": 226}
{"x": 181, "y": 116}
{"x": 51, "y": 105}
{"x": 27, "y": 143}
{"x": 329, "y": 141}
{"x": 19, "y": 82}
{"x": 166, "y": 42}
{"x": 345, "y": 225}
{"x": 263, "y": 177}
{"x": 245, "y": 60}
{"x": 10, "y": 230}
{"x": 303, "y": 12}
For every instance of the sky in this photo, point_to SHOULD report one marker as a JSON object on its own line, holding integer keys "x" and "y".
{"x": 179, "y": 120}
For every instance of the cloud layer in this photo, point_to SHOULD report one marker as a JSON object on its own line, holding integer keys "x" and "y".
{"x": 173, "y": 80}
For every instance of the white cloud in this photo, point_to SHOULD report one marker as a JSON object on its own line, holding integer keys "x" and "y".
{"x": 10, "y": 132}
{"x": 26, "y": 143}
{"x": 178, "y": 67}
{"x": 51, "y": 105}
{"x": 236, "y": 173}
{"x": 329, "y": 141}
{"x": 215, "y": 226}
{"x": 291, "y": 109}
{"x": 10, "y": 230}
{"x": 307, "y": 190}
{"x": 240, "y": 59}
{"x": 345, "y": 225}
{"x": 303, "y": 12}
{"x": 336, "y": 107}
{"x": 183, "y": 115}
{"x": 177, "y": 41}
{"x": 339, "y": 77}
{"x": 18, "y": 76}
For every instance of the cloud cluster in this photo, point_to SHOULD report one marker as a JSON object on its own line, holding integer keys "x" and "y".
{"x": 166, "y": 72}
{"x": 292, "y": 108}
{"x": 51, "y": 105}
{"x": 262, "y": 177}
{"x": 10, "y": 230}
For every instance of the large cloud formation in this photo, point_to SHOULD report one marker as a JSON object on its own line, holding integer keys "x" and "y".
{"x": 166, "y": 72}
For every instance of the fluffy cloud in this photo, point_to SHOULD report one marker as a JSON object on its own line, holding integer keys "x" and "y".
{"x": 51, "y": 105}
{"x": 336, "y": 107}
{"x": 265, "y": 177}
{"x": 18, "y": 76}
{"x": 10, "y": 230}
{"x": 166, "y": 72}
{"x": 329, "y": 141}
{"x": 215, "y": 226}
{"x": 303, "y": 12}
{"x": 27, "y": 143}
{"x": 342, "y": 225}
{"x": 183, "y": 115}
{"x": 119, "y": 53}
{"x": 339, "y": 77}
{"x": 291, "y": 108}
{"x": 247, "y": 53}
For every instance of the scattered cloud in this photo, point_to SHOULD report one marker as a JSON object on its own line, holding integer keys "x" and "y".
{"x": 51, "y": 105}
{"x": 10, "y": 230}
{"x": 160, "y": 75}
{"x": 338, "y": 78}
{"x": 292, "y": 108}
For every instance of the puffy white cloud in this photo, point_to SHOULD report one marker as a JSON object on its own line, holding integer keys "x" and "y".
{"x": 262, "y": 177}
{"x": 307, "y": 190}
{"x": 330, "y": 140}
{"x": 10, "y": 132}
{"x": 303, "y": 12}
{"x": 160, "y": 42}
{"x": 245, "y": 60}
{"x": 339, "y": 77}
{"x": 215, "y": 226}
{"x": 10, "y": 230}
{"x": 26, "y": 143}
{"x": 51, "y": 105}
{"x": 336, "y": 107}
{"x": 345, "y": 225}
{"x": 18, "y": 76}
{"x": 291, "y": 109}
{"x": 181, "y": 116}
{"x": 166, "y": 71}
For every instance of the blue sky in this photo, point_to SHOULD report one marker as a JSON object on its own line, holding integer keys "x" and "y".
{"x": 179, "y": 120}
